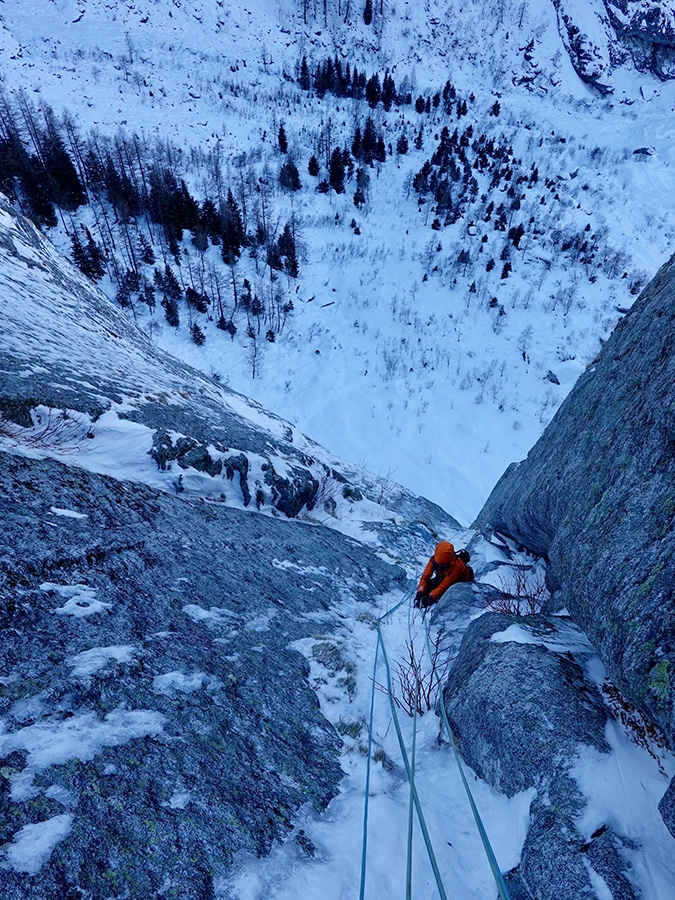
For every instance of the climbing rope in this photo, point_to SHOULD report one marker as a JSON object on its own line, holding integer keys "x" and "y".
{"x": 409, "y": 765}
{"x": 411, "y": 818}
{"x": 415, "y": 802}
{"x": 408, "y": 771}
{"x": 364, "y": 846}
{"x": 489, "y": 852}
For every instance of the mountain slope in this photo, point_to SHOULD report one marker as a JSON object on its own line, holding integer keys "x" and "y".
{"x": 428, "y": 349}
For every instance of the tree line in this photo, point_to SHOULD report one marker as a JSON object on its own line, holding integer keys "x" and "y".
{"x": 142, "y": 209}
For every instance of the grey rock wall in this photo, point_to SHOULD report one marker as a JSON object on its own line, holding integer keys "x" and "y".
{"x": 148, "y": 693}
{"x": 596, "y": 495}
{"x": 647, "y": 31}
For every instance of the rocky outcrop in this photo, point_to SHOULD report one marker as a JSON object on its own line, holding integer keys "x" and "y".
{"x": 584, "y": 33}
{"x": 647, "y": 31}
{"x": 154, "y": 716}
{"x": 155, "y": 719}
{"x": 600, "y": 35}
{"x": 596, "y": 496}
{"x": 520, "y": 711}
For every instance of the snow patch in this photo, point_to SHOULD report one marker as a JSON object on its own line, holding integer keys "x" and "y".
{"x": 214, "y": 614}
{"x": 81, "y": 600}
{"x": 50, "y": 743}
{"x": 32, "y": 846}
{"x": 67, "y": 513}
{"x": 90, "y": 661}
{"x": 178, "y": 681}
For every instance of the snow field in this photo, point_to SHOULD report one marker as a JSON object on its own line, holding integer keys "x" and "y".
{"x": 432, "y": 386}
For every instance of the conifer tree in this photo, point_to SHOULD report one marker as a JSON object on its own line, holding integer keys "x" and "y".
{"x": 369, "y": 141}
{"x": 197, "y": 335}
{"x": 96, "y": 257}
{"x": 373, "y": 91}
{"x": 283, "y": 140}
{"x": 402, "y": 145}
{"x": 388, "y": 91}
{"x": 286, "y": 249}
{"x": 304, "y": 79}
{"x": 79, "y": 255}
{"x": 233, "y": 236}
{"x": 289, "y": 177}
{"x": 337, "y": 171}
{"x": 368, "y": 12}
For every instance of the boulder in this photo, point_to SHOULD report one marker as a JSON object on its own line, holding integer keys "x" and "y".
{"x": 519, "y": 713}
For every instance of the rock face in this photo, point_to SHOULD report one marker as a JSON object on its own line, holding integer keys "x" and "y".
{"x": 584, "y": 31}
{"x": 520, "y": 711}
{"x": 155, "y": 718}
{"x": 647, "y": 30}
{"x": 596, "y": 495}
{"x": 600, "y": 35}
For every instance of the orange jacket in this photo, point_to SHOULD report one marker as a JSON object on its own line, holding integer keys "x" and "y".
{"x": 442, "y": 576}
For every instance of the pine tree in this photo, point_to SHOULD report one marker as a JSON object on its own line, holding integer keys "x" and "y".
{"x": 402, "y": 145}
{"x": 388, "y": 91}
{"x": 66, "y": 188}
{"x": 337, "y": 171}
{"x": 357, "y": 146}
{"x": 80, "y": 257}
{"x": 373, "y": 91}
{"x": 313, "y": 166}
{"x": 197, "y": 335}
{"x": 380, "y": 150}
{"x": 89, "y": 259}
{"x": 233, "y": 235}
{"x": 369, "y": 141}
{"x": 197, "y": 300}
{"x": 96, "y": 257}
{"x": 286, "y": 249}
{"x": 368, "y": 12}
{"x": 304, "y": 79}
{"x": 146, "y": 250}
{"x": 289, "y": 177}
{"x": 283, "y": 140}
{"x": 171, "y": 311}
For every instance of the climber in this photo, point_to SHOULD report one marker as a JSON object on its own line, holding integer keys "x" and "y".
{"x": 443, "y": 569}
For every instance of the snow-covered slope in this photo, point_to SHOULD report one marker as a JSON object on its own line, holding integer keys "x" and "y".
{"x": 388, "y": 357}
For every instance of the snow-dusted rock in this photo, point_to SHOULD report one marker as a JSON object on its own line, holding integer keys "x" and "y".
{"x": 173, "y": 727}
{"x": 647, "y": 29}
{"x": 521, "y": 711}
{"x": 596, "y": 495}
{"x": 153, "y": 719}
{"x": 584, "y": 31}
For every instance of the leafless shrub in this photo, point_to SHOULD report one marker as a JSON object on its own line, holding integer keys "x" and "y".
{"x": 523, "y": 593}
{"x": 386, "y": 486}
{"x": 641, "y": 731}
{"x": 417, "y": 677}
{"x": 52, "y": 430}
{"x": 329, "y": 488}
